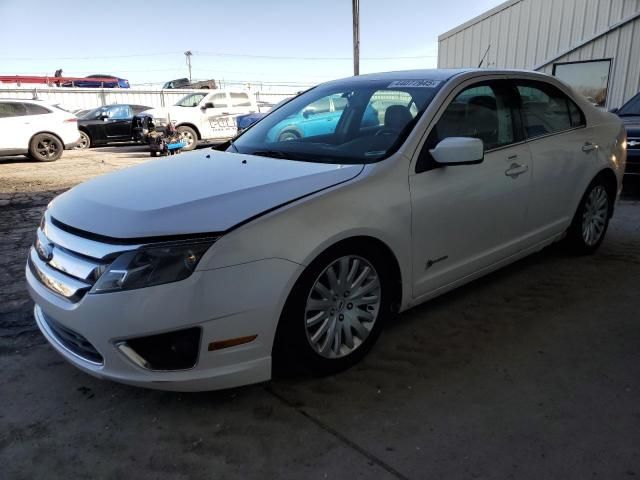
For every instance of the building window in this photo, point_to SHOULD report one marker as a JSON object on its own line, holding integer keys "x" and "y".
{"x": 590, "y": 78}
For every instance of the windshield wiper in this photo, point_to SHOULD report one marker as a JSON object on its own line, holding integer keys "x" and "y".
{"x": 275, "y": 154}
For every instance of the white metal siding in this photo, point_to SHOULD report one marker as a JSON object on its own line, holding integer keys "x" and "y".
{"x": 532, "y": 33}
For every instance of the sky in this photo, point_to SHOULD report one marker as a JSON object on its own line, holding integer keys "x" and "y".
{"x": 275, "y": 42}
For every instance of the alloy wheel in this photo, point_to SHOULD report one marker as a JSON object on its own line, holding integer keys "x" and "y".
{"x": 342, "y": 307}
{"x": 594, "y": 216}
{"x": 46, "y": 148}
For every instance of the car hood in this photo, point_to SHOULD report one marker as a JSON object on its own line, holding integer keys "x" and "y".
{"x": 195, "y": 192}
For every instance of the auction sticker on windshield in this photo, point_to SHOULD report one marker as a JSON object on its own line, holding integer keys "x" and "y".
{"x": 415, "y": 83}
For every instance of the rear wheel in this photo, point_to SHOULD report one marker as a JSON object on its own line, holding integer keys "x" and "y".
{"x": 590, "y": 222}
{"x": 45, "y": 147}
{"x": 189, "y": 135}
{"x": 336, "y": 310}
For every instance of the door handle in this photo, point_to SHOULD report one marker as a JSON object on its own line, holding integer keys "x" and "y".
{"x": 588, "y": 146}
{"x": 515, "y": 170}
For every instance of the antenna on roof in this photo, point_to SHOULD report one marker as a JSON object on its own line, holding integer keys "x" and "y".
{"x": 484, "y": 56}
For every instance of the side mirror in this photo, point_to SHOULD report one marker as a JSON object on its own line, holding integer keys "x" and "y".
{"x": 613, "y": 110}
{"x": 208, "y": 105}
{"x": 307, "y": 112}
{"x": 458, "y": 151}
{"x": 104, "y": 116}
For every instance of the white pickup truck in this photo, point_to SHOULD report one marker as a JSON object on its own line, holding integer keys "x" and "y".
{"x": 207, "y": 115}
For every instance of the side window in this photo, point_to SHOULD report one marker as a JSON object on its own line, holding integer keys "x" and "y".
{"x": 240, "y": 100}
{"x": 219, "y": 100}
{"x": 33, "y": 109}
{"x": 120, "y": 112}
{"x": 320, "y": 106}
{"x": 546, "y": 110}
{"x": 485, "y": 112}
{"x": 12, "y": 109}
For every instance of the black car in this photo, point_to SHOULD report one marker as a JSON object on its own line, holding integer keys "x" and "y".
{"x": 630, "y": 115}
{"x": 108, "y": 124}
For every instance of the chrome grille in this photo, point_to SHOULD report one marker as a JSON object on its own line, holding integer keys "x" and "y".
{"x": 68, "y": 264}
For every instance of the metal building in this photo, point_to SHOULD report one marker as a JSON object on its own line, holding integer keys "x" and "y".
{"x": 594, "y": 45}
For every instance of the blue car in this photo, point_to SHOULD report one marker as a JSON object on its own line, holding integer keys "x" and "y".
{"x": 101, "y": 81}
{"x": 318, "y": 118}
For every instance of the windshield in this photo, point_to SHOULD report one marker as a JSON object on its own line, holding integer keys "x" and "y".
{"x": 632, "y": 107}
{"x": 191, "y": 100}
{"x": 347, "y": 122}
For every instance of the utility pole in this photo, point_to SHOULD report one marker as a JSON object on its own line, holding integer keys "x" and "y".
{"x": 355, "y": 4}
{"x": 188, "y": 55}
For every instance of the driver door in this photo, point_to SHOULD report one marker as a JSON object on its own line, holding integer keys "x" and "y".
{"x": 218, "y": 122}
{"x": 466, "y": 218}
{"x": 118, "y": 124}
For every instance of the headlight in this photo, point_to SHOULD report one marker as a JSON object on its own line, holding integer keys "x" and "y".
{"x": 151, "y": 266}
{"x": 160, "y": 122}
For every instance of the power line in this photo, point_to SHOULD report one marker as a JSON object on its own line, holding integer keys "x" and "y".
{"x": 220, "y": 54}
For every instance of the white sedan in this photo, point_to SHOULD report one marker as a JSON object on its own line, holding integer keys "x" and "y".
{"x": 36, "y": 129}
{"x": 194, "y": 273}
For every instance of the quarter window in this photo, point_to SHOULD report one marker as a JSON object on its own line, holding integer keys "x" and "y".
{"x": 546, "y": 110}
{"x": 36, "y": 109}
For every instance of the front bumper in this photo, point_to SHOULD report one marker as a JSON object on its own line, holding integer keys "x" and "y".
{"x": 227, "y": 303}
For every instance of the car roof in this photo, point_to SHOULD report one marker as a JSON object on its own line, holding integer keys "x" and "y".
{"x": 22, "y": 100}
{"x": 435, "y": 74}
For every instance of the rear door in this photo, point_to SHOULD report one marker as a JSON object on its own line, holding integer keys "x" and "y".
{"x": 468, "y": 217}
{"x": 560, "y": 145}
{"x": 15, "y": 125}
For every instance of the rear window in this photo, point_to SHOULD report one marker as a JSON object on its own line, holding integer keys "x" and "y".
{"x": 546, "y": 110}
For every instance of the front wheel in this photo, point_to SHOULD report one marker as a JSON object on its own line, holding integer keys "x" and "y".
{"x": 85, "y": 141}
{"x": 336, "y": 310}
{"x": 590, "y": 222}
{"x": 189, "y": 135}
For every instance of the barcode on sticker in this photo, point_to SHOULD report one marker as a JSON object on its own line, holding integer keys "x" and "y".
{"x": 415, "y": 83}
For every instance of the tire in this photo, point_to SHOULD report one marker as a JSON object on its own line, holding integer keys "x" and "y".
{"x": 45, "y": 147}
{"x": 190, "y": 135}
{"x": 85, "y": 141}
{"x": 299, "y": 338}
{"x": 589, "y": 225}
{"x": 288, "y": 136}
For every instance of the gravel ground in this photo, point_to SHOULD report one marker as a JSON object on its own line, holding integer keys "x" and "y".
{"x": 532, "y": 372}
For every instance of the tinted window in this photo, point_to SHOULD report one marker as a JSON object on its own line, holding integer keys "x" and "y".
{"x": 12, "y": 110}
{"x": 546, "y": 110}
{"x": 139, "y": 108}
{"x": 240, "y": 100}
{"x": 485, "y": 112}
{"x": 36, "y": 109}
{"x": 119, "y": 112}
